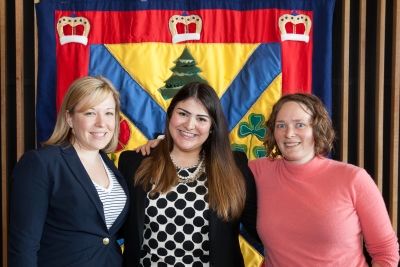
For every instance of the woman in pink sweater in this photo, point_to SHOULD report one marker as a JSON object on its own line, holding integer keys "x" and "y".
{"x": 314, "y": 211}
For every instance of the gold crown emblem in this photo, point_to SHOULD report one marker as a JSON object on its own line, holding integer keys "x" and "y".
{"x": 185, "y": 27}
{"x": 295, "y": 27}
{"x": 73, "y": 30}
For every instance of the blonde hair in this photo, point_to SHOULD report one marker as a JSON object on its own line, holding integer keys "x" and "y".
{"x": 91, "y": 90}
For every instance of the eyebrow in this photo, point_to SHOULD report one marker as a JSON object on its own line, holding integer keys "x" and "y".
{"x": 197, "y": 115}
{"x": 105, "y": 108}
{"x": 295, "y": 120}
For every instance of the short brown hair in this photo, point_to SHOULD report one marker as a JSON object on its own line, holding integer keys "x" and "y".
{"x": 321, "y": 123}
{"x": 94, "y": 90}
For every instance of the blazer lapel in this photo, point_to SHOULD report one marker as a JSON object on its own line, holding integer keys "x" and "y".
{"x": 80, "y": 174}
{"x": 139, "y": 200}
{"x": 122, "y": 182}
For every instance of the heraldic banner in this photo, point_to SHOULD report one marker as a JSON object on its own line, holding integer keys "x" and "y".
{"x": 250, "y": 51}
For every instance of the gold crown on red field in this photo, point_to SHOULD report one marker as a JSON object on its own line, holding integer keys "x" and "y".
{"x": 295, "y": 27}
{"x": 73, "y": 30}
{"x": 185, "y": 27}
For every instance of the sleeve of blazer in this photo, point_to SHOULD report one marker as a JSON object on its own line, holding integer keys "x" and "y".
{"x": 249, "y": 215}
{"x": 128, "y": 163}
{"x": 29, "y": 199}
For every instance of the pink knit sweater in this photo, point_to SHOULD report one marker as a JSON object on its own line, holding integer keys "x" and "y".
{"x": 316, "y": 214}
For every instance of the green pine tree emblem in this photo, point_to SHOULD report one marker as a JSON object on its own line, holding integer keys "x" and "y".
{"x": 184, "y": 72}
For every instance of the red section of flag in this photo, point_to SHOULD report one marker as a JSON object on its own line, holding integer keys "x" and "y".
{"x": 219, "y": 26}
{"x": 124, "y": 135}
{"x": 296, "y": 67}
{"x": 72, "y": 63}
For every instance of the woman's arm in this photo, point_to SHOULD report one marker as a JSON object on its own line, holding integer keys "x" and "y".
{"x": 380, "y": 239}
{"x": 29, "y": 198}
{"x": 249, "y": 215}
{"x": 129, "y": 161}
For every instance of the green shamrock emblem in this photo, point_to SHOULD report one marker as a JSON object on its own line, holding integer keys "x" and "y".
{"x": 239, "y": 147}
{"x": 255, "y": 127}
{"x": 259, "y": 151}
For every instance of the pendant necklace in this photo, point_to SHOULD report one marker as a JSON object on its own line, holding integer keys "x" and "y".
{"x": 192, "y": 176}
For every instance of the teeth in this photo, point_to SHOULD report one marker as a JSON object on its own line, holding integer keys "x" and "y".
{"x": 187, "y": 134}
{"x": 99, "y": 134}
{"x": 292, "y": 144}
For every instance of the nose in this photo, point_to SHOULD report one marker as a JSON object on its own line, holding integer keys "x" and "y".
{"x": 191, "y": 123}
{"x": 290, "y": 131}
{"x": 99, "y": 120}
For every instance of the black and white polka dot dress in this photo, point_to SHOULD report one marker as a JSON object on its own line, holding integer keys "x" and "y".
{"x": 177, "y": 226}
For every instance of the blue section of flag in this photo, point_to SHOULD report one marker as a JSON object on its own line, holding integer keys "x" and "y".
{"x": 46, "y": 80}
{"x": 322, "y": 51}
{"x": 136, "y": 103}
{"x": 260, "y": 70}
{"x": 183, "y": 5}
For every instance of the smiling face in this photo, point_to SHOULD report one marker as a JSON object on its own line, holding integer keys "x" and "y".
{"x": 94, "y": 127}
{"x": 293, "y": 133}
{"x": 189, "y": 125}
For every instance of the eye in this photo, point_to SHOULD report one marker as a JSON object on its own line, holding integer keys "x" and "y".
{"x": 202, "y": 119}
{"x": 89, "y": 113}
{"x": 280, "y": 126}
{"x": 110, "y": 113}
{"x": 182, "y": 113}
{"x": 300, "y": 125}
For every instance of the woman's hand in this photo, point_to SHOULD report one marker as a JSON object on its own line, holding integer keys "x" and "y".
{"x": 146, "y": 148}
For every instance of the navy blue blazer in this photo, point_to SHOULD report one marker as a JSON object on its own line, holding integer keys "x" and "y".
{"x": 224, "y": 243}
{"x": 56, "y": 215}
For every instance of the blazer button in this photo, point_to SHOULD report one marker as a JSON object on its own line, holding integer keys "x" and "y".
{"x": 106, "y": 241}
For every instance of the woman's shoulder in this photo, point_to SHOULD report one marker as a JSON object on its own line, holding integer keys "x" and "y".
{"x": 38, "y": 160}
{"x": 240, "y": 157}
{"x": 262, "y": 165}
{"x": 130, "y": 155}
{"x": 47, "y": 152}
{"x": 129, "y": 161}
{"x": 345, "y": 175}
{"x": 263, "y": 162}
{"x": 342, "y": 167}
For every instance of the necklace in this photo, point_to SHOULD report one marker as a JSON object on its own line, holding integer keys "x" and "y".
{"x": 192, "y": 176}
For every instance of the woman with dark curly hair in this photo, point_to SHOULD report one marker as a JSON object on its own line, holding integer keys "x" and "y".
{"x": 314, "y": 211}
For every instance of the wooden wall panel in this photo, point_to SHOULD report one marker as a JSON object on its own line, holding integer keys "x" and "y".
{"x": 354, "y": 56}
{"x": 361, "y": 82}
{"x": 394, "y": 123}
{"x": 19, "y": 76}
{"x": 344, "y": 140}
{"x": 3, "y": 135}
{"x": 379, "y": 91}
{"x": 371, "y": 145}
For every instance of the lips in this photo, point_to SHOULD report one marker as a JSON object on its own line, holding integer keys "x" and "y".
{"x": 98, "y": 134}
{"x": 187, "y": 134}
{"x": 291, "y": 144}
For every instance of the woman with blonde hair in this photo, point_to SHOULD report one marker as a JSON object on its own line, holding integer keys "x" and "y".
{"x": 68, "y": 201}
